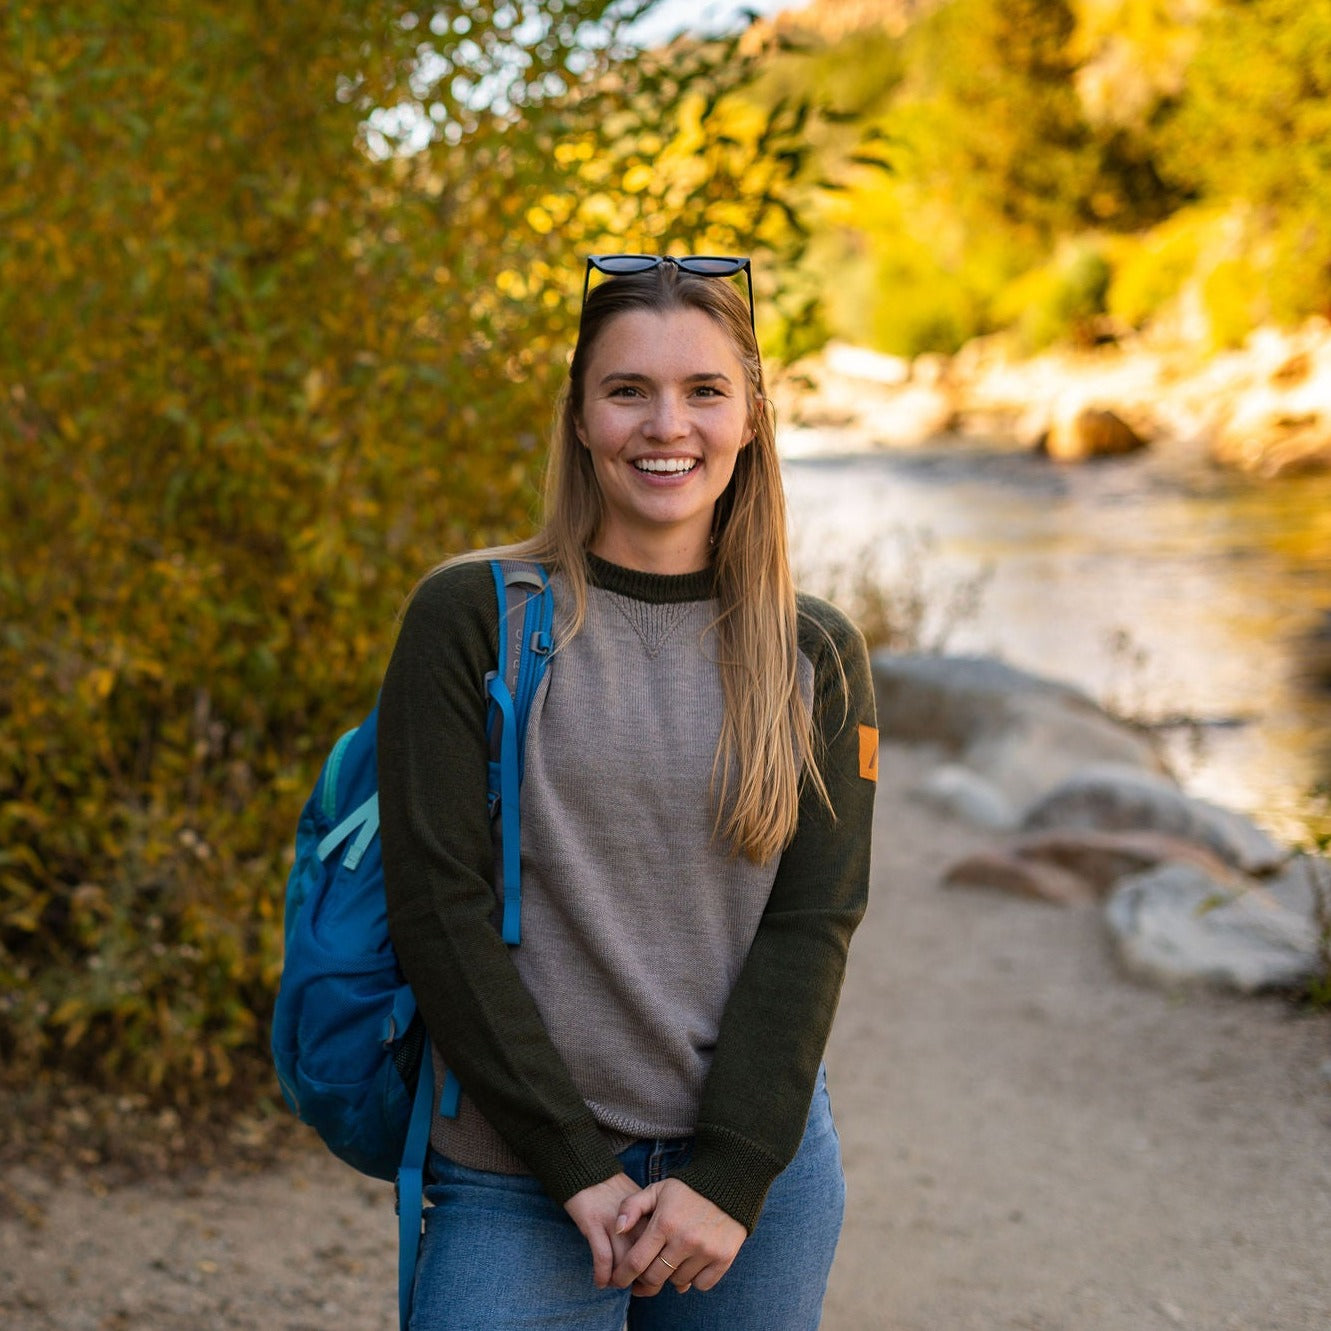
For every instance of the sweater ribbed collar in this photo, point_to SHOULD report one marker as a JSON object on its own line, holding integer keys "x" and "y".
{"x": 660, "y": 588}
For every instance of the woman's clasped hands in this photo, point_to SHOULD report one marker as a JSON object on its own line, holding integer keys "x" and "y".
{"x": 644, "y": 1238}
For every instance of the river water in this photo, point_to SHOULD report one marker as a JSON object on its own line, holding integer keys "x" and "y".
{"x": 1165, "y": 588}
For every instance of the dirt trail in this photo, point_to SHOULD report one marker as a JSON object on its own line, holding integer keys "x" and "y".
{"x": 1031, "y": 1141}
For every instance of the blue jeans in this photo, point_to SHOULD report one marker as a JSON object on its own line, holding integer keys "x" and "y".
{"x": 499, "y": 1255}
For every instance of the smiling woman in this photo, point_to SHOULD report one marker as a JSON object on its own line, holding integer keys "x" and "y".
{"x": 644, "y": 1134}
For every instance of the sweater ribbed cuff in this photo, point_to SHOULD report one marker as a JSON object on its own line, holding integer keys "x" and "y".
{"x": 569, "y": 1157}
{"x": 731, "y": 1171}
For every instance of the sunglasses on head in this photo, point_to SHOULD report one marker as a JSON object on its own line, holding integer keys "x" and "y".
{"x": 700, "y": 265}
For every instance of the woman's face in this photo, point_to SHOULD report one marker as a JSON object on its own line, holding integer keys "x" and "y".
{"x": 664, "y": 414}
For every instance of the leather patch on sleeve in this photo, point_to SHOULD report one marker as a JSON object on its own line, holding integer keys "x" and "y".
{"x": 868, "y": 753}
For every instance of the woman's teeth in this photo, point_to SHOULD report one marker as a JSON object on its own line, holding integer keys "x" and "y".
{"x": 666, "y": 465}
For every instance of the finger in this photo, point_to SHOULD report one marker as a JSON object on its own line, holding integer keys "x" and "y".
{"x": 669, "y": 1269}
{"x": 659, "y": 1272}
{"x": 645, "y": 1290}
{"x": 632, "y": 1269}
{"x": 620, "y": 1244}
{"x": 633, "y": 1265}
{"x": 642, "y": 1268}
{"x": 683, "y": 1275}
{"x": 634, "y": 1209}
{"x": 603, "y": 1255}
{"x": 709, "y": 1276}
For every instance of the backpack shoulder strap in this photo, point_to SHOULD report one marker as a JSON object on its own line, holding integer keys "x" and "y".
{"x": 526, "y": 636}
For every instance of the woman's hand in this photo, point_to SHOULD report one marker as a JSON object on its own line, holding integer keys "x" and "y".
{"x": 680, "y": 1237}
{"x": 596, "y": 1212}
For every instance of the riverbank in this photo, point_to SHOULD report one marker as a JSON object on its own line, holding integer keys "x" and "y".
{"x": 1264, "y": 409}
{"x": 1031, "y": 1140}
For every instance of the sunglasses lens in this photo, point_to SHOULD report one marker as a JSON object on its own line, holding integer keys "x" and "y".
{"x": 709, "y": 266}
{"x": 624, "y": 263}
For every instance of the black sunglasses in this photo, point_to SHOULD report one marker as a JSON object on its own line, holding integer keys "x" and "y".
{"x": 700, "y": 265}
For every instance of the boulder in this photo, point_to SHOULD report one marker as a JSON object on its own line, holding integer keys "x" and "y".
{"x": 1273, "y": 440}
{"x": 960, "y": 793}
{"x": 1274, "y": 415}
{"x": 1006, "y": 872}
{"x": 1100, "y": 859}
{"x": 860, "y": 363}
{"x": 1073, "y": 868}
{"x": 1090, "y": 433}
{"x": 1178, "y": 924}
{"x": 1112, "y": 797}
{"x": 913, "y": 414}
{"x": 1022, "y": 733}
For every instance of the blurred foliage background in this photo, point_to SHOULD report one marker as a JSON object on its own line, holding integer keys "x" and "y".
{"x": 1073, "y": 170}
{"x": 285, "y": 297}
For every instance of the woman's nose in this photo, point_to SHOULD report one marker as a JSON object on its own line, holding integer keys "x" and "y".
{"x": 667, "y": 418}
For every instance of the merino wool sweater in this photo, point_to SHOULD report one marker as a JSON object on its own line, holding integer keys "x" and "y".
{"x": 664, "y": 987}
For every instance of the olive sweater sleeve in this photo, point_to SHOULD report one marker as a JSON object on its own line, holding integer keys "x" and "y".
{"x": 776, "y": 1023}
{"x": 438, "y": 863}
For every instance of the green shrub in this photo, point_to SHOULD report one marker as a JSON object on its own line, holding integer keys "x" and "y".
{"x": 922, "y": 312}
{"x": 1060, "y": 302}
{"x": 1153, "y": 272}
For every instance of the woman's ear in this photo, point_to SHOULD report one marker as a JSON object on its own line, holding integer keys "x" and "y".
{"x": 755, "y": 414}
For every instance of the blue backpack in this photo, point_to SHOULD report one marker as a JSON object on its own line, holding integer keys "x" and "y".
{"x": 352, "y": 1055}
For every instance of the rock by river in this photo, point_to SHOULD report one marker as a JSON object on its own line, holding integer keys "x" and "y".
{"x": 1016, "y": 733}
{"x": 1179, "y": 924}
{"x": 1090, "y": 432}
{"x": 1081, "y": 810}
{"x": 1114, "y": 797}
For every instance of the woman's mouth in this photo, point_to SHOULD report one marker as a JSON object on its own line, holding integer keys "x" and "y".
{"x": 665, "y": 466}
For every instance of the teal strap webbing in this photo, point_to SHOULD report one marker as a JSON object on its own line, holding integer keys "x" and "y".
{"x": 537, "y": 641}
{"x": 364, "y": 820}
{"x": 411, "y": 1187}
{"x": 509, "y": 837}
{"x": 331, "y": 771}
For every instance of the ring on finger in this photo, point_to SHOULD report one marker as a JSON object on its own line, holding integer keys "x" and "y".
{"x": 661, "y": 1257}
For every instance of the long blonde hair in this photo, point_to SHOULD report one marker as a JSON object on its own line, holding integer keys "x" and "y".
{"x": 766, "y": 745}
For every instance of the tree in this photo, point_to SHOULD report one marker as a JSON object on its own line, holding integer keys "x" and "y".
{"x": 995, "y": 124}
